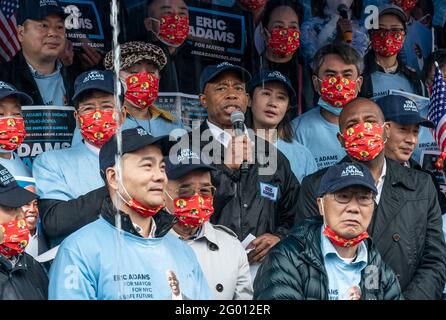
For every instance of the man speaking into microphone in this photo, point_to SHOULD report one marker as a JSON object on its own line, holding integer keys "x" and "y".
{"x": 249, "y": 199}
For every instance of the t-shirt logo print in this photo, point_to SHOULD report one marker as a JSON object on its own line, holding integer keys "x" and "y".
{"x": 351, "y": 171}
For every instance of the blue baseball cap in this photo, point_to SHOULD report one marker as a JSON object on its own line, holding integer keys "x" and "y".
{"x": 344, "y": 175}
{"x": 212, "y": 71}
{"x": 185, "y": 161}
{"x": 132, "y": 140}
{"x": 11, "y": 194}
{"x": 273, "y": 76}
{"x": 103, "y": 80}
{"x": 402, "y": 110}
{"x": 7, "y": 90}
{"x": 38, "y": 9}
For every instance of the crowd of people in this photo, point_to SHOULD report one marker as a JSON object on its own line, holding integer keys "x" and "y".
{"x": 317, "y": 172}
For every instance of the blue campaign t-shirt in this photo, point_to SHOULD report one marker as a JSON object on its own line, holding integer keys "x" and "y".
{"x": 344, "y": 277}
{"x": 383, "y": 82}
{"x": 319, "y": 136}
{"x": 300, "y": 158}
{"x": 67, "y": 174}
{"x": 51, "y": 87}
{"x": 15, "y": 166}
{"x": 98, "y": 262}
{"x": 417, "y": 35}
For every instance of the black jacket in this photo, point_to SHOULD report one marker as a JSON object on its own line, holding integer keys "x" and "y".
{"x": 371, "y": 66}
{"x": 406, "y": 228}
{"x": 61, "y": 218}
{"x": 26, "y": 280}
{"x": 238, "y": 203}
{"x": 294, "y": 269}
{"x": 17, "y": 73}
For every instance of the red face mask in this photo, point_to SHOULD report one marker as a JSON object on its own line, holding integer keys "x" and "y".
{"x": 193, "y": 211}
{"x": 406, "y": 5}
{"x": 12, "y": 133}
{"x": 342, "y": 242}
{"x": 364, "y": 141}
{"x": 174, "y": 30}
{"x": 387, "y": 43}
{"x": 252, "y": 5}
{"x": 15, "y": 237}
{"x": 142, "y": 210}
{"x": 98, "y": 126}
{"x": 142, "y": 89}
{"x": 338, "y": 91}
{"x": 284, "y": 41}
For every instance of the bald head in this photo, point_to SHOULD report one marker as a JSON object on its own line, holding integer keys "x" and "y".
{"x": 360, "y": 110}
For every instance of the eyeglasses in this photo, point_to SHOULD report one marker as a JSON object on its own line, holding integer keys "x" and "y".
{"x": 390, "y": 30}
{"x": 363, "y": 198}
{"x": 189, "y": 192}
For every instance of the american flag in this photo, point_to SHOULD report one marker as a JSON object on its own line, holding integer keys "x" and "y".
{"x": 437, "y": 108}
{"x": 9, "y": 44}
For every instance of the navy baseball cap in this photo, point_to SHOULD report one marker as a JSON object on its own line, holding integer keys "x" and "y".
{"x": 270, "y": 76}
{"x": 7, "y": 90}
{"x": 132, "y": 140}
{"x": 11, "y": 194}
{"x": 344, "y": 175}
{"x": 395, "y": 10}
{"x": 212, "y": 71}
{"x": 402, "y": 110}
{"x": 38, "y": 9}
{"x": 184, "y": 161}
{"x": 103, "y": 80}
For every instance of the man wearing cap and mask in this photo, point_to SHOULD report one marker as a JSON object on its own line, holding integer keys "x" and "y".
{"x": 68, "y": 181}
{"x": 12, "y": 127}
{"x": 104, "y": 262}
{"x": 337, "y": 77}
{"x": 141, "y": 64}
{"x": 36, "y": 69}
{"x": 21, "y": 277}
{"x": 406, "y": 225}
{"x": 167, "y": 24}
{"x": 256, "y": 194}
{"x": 404, "y": 122}
{"x": 328, "y": 257}
{"x": 189, "y": 196}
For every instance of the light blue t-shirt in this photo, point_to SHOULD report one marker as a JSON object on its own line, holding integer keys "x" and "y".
{"x": 51, "y": 87}
{"x": 300, "y": 158}
{"x": 383, "y": 82}
{"x": 95, "y": 264}
{"x": 156, "y": 127}
{"x": 342, "y": 275}
{"x": 416, "y": 35}
{"x": 319, "y": 136}
{"x": 66, "y": 174}
{"x": 15, "y": 166}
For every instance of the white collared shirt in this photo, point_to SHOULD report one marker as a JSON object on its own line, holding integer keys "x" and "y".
{"x": 219, "y": 134}
{"x": 152, "y": 228}
{"x": 380, "y": 183}
{"x": 178, "y": 297}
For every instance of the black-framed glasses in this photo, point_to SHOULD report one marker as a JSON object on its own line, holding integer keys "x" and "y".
{"x": 363, "y": 198}
{"x": 189, "y": 192}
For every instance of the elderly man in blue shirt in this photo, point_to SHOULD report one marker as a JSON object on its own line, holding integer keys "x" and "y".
{"x": 331, "y": 257}
{"x": 67, "y": 180}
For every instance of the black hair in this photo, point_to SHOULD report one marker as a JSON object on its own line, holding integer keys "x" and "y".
{"x": 273, "y": 4}
{"x": 348, "y": 54}
{"x": 317, "y": 8}
{"x": 439, "y": 56}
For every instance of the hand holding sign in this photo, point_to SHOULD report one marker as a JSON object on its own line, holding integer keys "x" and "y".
{"x": 90, "y": 57}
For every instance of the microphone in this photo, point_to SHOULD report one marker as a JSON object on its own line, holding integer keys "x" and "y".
{"x": 238, "y": 123}
{"x": 343, "y": 12}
